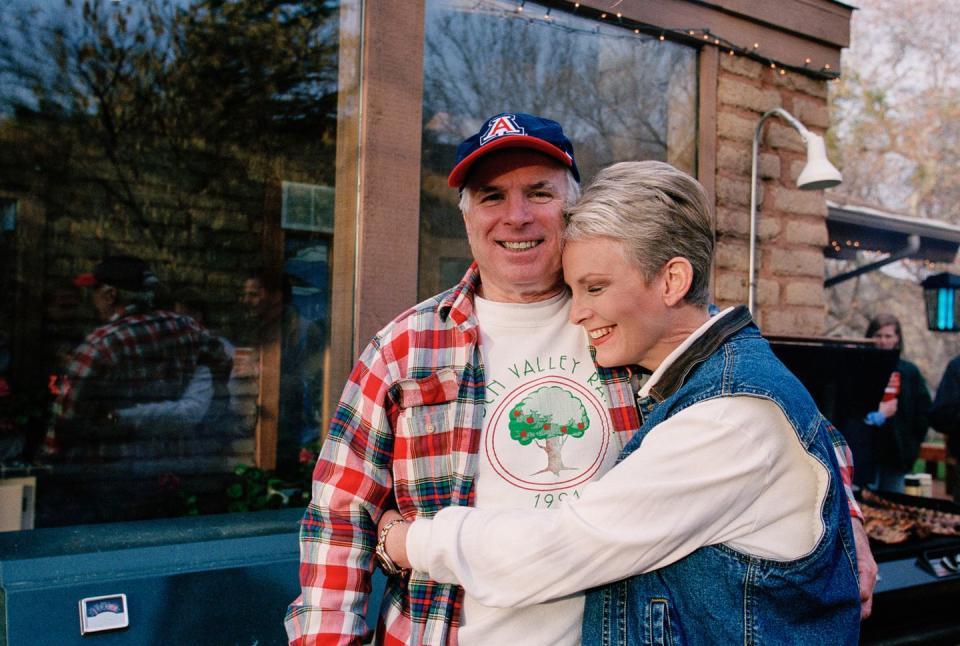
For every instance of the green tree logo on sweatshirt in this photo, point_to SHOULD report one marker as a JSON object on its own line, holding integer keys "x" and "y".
{"x": 548, "y": 417}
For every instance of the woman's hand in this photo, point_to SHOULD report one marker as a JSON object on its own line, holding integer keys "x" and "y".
{"x": 396, "y": 540}
{"x": 888, "y": 408}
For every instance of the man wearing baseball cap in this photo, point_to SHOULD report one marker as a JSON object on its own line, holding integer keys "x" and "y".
{"x": 484, "y": 395}
{"x": 138, "y": 355}
{"x": 115, "y": 280}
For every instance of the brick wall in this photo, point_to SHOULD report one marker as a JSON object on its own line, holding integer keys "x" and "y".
{"x": 791, "y": 224}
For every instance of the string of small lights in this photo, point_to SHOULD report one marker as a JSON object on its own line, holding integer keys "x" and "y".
{"x": 929, "y": 264}
{"x": 871, "y": 255}
{"x": 699, "y": 36}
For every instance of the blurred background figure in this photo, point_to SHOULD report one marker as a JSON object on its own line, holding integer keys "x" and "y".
{"x": 945, "y": 417}
{"x": 139, "y": 355}
{"x": 271, "y": 318}
{"x": 137, "y": 385}
{"x": 902, "y": 416}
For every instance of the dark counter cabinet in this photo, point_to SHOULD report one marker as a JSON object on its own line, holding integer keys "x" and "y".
{"x": 220, "y": 580}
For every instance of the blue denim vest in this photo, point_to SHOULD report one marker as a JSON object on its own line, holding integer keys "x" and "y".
{"x": 717, "y": 595}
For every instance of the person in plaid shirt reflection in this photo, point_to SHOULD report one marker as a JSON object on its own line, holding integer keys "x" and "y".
{"x": 484, "y": 395}
{"x": 138, "y": 355}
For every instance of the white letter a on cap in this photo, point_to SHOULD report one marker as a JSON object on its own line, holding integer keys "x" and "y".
{"x": 501, "y": 126}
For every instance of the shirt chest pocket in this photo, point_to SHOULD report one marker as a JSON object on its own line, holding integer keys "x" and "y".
{"x": 424, "y": 420}
{"x": 423, "y": 441}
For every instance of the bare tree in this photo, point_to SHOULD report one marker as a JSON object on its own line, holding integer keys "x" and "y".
{"x": 896, "y": 134}
{"x": 155, "y": 94}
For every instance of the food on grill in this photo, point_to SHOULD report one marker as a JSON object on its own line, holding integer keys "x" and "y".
{"x": 890, "y": 522}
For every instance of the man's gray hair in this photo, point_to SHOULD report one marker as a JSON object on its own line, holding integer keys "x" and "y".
{"x": 571, "y": 193}
{"x": 657, "y": 212}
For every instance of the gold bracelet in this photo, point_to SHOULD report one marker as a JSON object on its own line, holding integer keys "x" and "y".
{"x": 386, "y": 563}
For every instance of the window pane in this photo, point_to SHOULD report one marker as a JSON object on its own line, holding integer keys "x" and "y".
{"x": 618, "y": 95}
{"x": 166, "y": 199}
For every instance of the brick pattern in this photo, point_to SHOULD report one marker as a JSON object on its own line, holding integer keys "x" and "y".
{"x": 791, "y": 222}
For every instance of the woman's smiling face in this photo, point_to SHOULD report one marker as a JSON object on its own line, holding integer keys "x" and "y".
{"x": 625, "y": 316}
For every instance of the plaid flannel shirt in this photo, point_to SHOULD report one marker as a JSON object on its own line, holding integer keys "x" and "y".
{"x": 136, "y": 357}
{"x": 845, "y": 465}
{"x": 406, "y": 433}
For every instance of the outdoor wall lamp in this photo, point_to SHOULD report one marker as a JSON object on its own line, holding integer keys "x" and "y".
{"x": 818, "y": 174}
{"x": 940, "y": 294}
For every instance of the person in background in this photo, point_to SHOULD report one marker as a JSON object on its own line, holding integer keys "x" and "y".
{"x": 265, "y": 299}
{"x": 901, "y": 419}
{"x": 945, "y": 418}
{"x": 138, "y": 355}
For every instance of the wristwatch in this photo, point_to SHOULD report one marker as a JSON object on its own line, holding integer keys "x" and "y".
{"x": 386, "y": 563}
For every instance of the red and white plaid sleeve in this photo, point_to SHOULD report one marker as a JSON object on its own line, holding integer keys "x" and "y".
{"x": 845, "y": 463}
{"x": 351, "y": 485}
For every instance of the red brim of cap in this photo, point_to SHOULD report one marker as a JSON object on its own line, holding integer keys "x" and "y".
{"x": 85, "y": 280}
{"x": 458, "y": 176}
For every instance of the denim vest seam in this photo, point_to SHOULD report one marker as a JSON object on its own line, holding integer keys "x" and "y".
{"x": 667, "y": 626}
{"x": 850, "y": 551}
{"x": 648, "y": 625}
{"x": 729, "y": 361}
{"x": 622, "y": 614}
{"x": 747, "y": 613}
{"x": 606, "y": 597}
{"x": 809, "y": 435}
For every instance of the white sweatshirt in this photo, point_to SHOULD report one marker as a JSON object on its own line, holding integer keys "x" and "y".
{"x": 729, "y": 470}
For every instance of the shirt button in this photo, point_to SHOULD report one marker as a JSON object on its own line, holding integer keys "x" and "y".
{"x": 430, "y": 428}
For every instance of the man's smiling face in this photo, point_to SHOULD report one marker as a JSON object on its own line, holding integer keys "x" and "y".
{"x": 514, "y": 224}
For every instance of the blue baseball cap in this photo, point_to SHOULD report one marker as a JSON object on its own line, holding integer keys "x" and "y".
{"x": 513, "y": 130}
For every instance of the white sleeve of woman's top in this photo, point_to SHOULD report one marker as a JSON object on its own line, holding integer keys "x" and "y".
{"x": 727, "y": 470}
{"x": 160, "y": 419}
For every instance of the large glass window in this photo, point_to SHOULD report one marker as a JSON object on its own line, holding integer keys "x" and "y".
{"x": 619, "y": 96}
{"x": 166, "y": 194}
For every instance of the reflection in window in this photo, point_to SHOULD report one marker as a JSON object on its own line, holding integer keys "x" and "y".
{"x": 166, "y": 306}
{"x": 618, "y": 96}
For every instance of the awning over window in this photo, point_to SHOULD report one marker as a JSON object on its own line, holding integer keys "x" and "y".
{"x": 854, "y": 228}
